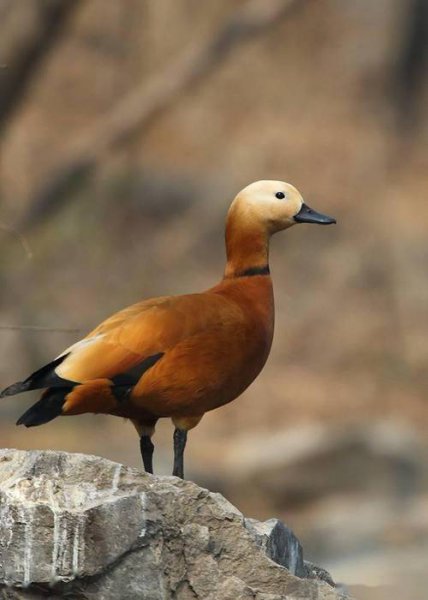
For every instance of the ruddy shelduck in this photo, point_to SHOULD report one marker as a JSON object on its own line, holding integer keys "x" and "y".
{"x": 179, "y": 356}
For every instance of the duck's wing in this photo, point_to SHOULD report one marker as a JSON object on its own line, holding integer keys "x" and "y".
{"x": 93, "y": 356}
{"x": 123, "y": 346}
{"x": 128, "y": 339}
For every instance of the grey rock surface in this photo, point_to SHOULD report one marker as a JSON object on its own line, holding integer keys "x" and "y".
{"x": 279, "y": 543}
{"x": 77, "y": 526}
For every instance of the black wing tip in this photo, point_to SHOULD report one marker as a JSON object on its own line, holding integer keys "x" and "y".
{"x": 46, "y": 409}
{"x": 27, "y": 421}
{"x": 43, "y": 378}
{"x": 27, "y": 418}
{"x": 23, "y": 420}
{"x": 15, "y": 388}
{"x": 33, "y": 418}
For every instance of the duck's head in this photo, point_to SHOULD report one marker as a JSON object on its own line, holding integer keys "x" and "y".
{"x": 258, "y": 211}
{"x": 275, "y": 205}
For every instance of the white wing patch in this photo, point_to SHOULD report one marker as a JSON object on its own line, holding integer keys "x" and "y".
{"x": 76, "y": 347}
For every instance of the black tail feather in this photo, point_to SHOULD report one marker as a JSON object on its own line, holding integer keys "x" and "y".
{"x": 15, "y": 388}
{"x": 47, "y": 408}
{"x": 44, "y": 377}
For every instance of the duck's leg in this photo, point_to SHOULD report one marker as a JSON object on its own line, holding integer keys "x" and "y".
{"x": 146, "y": 430}
{"x": 182, "y": 426}
{"x": 147, "y": 448}
{"x": 180, "y": 439}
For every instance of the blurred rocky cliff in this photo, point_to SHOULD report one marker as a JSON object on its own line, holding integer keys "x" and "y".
{"x": 329, "y": 95}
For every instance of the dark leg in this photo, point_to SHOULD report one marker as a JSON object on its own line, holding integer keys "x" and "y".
{"x": 146, "y": 446}
{"x": 180, "y": 439}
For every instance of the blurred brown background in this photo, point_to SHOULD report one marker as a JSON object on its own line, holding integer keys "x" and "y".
{"x": 126, "y": 128}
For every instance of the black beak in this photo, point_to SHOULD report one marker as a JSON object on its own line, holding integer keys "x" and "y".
{"x": 308, "y": 215}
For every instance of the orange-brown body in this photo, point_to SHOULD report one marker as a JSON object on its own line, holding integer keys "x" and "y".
{"x": 214, "y": 344}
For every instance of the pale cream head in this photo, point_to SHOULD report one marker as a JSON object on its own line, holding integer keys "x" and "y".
{"x": 273, "y": 204}
{"x": 258, "y": 211}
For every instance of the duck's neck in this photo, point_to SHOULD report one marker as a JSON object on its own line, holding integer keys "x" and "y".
{"x": 247, "y": 249}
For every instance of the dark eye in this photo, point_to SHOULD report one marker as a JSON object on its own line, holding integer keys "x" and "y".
{"x": 280, "y": 195}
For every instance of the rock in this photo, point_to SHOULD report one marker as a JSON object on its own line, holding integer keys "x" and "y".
{"x": 321, "y": 476}
{"x": 79, "y": 526}
{"x": 279, "y": 543}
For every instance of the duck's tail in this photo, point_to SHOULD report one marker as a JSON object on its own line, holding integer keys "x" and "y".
{"x": 47, "y": 408}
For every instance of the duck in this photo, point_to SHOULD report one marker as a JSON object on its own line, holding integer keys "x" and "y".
{"x": 179, "y": 357}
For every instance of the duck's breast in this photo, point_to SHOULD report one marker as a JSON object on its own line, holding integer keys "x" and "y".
{"x": 219, "y": 361}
